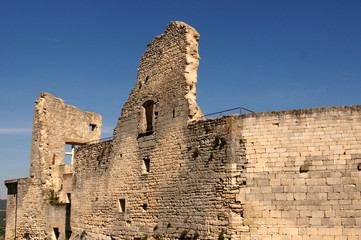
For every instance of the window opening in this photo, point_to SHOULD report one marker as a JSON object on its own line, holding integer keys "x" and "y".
{"x": 121, "y": 205}
{"x": 92, "y": 127}
{"x": 67, "y": 217}
{"x": 69, "y": 153}
{"x": 304, "y": 168}
{"x": 145, "y": 206}
{"x": 146, "y": 165}
{"x": 12, "y": 188}
{"x": 148, "y": 107}
{"x": 173, "y": 113}
{"x": 68, "y": 197}
{"x": 56, "y": 233}
{"x": 276, "y": 124}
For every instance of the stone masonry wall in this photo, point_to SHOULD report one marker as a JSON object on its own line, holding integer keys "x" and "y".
{"x": 170, "y": 174}
{"x": 189, "y": 187}
{"x": 277, "y": 175}
{"x": 55, "y": 124}
{"x": 176, "y": 175}
{"x": 91, "y": 188}
{"x": 302, "y": 174}
{"x": 27, "y": 218}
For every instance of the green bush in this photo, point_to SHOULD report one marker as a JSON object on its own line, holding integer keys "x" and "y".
{"x": 196, "y": 153}
{"x": 183, "y": 234}
{"x": 221, "y": 236}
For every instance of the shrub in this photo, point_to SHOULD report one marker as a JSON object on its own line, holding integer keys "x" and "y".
{"x": 216, "y": 141}
{"x": 183, "y": 234}
{"x": 196, "y": 153}
{"x": 221, "y": 236}
{"x": 223, "y": 143}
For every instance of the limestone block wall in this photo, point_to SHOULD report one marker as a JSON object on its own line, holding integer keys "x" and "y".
{"x": 302, "y": 174}
{"x": 91, "y": 189}
{"x": 167, "y": 75}
{"x": 142, "y": 174}
{"x": 55, "y": 124}
{"x": 190, "y": 186}
{"x": 32, "y": 215}
{"x": 237, "y": 176}
{"x": 170, "y": 174}
{"x": 11, "y": 209}
{"x": 26, "y": 218}
{"x": 277, "y": 175}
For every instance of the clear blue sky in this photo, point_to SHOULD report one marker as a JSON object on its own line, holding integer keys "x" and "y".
{"x": 262, "y": 55}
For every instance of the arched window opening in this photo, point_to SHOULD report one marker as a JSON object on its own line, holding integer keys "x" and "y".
{"x": 148, "y": 107}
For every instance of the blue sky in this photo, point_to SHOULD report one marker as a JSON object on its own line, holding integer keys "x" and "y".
{"x": 262, "y": 55}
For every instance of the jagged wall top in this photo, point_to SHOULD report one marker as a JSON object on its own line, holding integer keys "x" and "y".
{"x": 55, "y": 124}
{"x": 168, "y": 70}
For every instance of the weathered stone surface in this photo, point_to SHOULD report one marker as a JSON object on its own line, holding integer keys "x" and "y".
{"x": 55, "y": 125}
{"x": 170, "y": 174}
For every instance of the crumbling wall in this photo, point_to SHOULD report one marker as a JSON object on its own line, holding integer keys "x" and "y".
{"x": 91, "y": 189}
{"x": 55, "y": 124}
{"x": 170, "y": 174}
{"x": 167, "y": 75}
{"x": 190, "y": 186}
{"x": 25, "y": 216}
{"x": 302, "y": 174}
{"x": 237, "y": 176}
{"x": 159, "y": 176}
{"x": 11, "y": 209}
{"x": 40, "y": 201}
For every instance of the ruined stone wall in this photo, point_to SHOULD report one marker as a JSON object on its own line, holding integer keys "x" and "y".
{"x": 278, "y": 175}
{"x": 91, "y": 190}
{"x": 55, "y": 124}
{"x": 26, "y": 218}
{"x": 170, "y": 174}
{"x": 11, "y": 209}
{"x": 320, "y": 202}
{"x": 164, "y": 175}
{"x": 167, "y": 75}
{"x": 190, "y": 185}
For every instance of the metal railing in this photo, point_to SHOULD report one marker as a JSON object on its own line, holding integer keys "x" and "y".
{"x": 228, "y": 110}
{"x": 220, "y": 114}
{"x": 101, "y": 140}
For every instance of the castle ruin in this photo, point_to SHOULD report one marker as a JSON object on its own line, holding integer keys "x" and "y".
{"x": 169, "y": 173}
